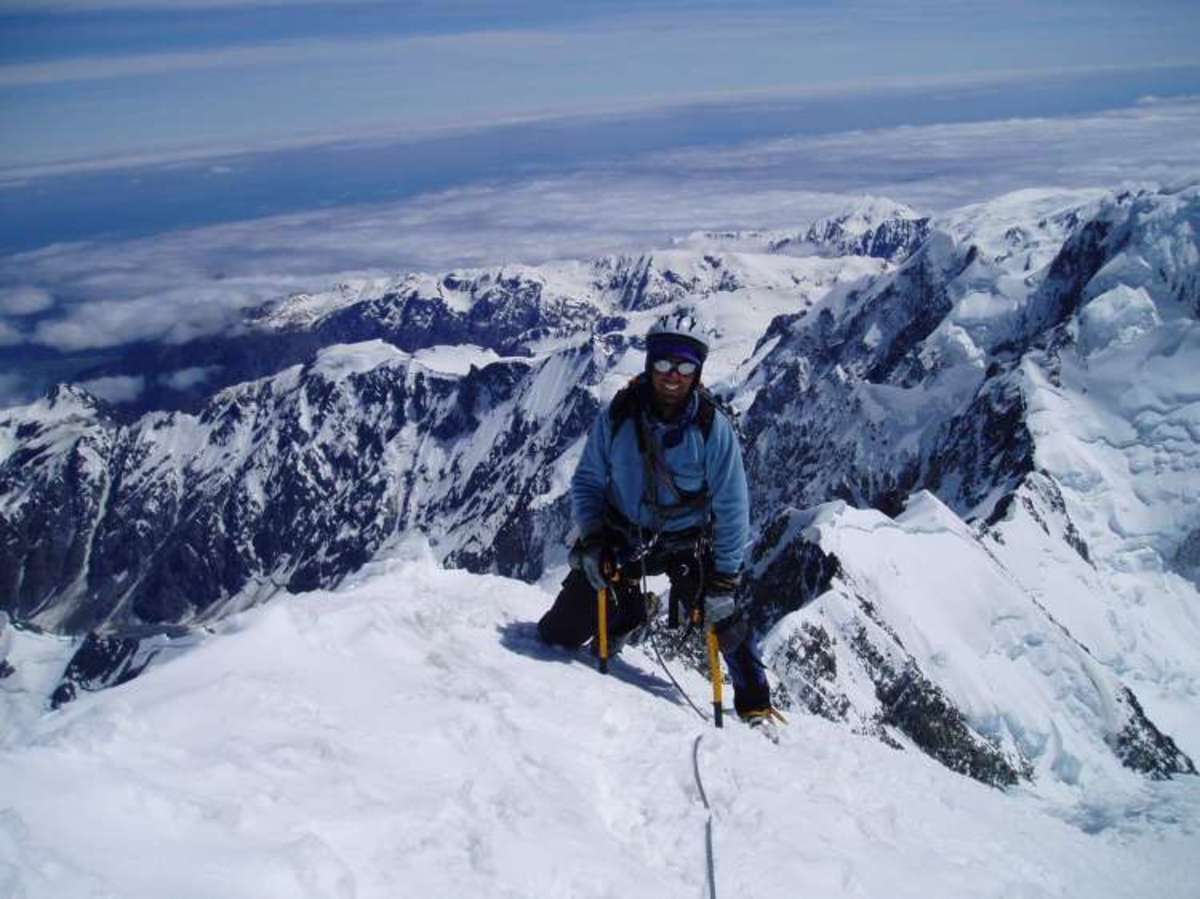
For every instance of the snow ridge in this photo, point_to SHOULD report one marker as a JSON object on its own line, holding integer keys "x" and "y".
{"x": 407, "y": 729}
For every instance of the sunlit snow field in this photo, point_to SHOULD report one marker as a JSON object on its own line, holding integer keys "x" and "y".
{"x": 406, "y": 736}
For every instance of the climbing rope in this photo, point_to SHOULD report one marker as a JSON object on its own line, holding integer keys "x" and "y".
{"x": 710, "y": 864}
{"x": 663, "y": 664}
{"x": 708, "y": 825}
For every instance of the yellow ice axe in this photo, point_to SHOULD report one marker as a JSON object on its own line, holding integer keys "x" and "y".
{"x": 613, "y": 574}
{"x": 602, "y": 627}
{"x": 714, "y": 667}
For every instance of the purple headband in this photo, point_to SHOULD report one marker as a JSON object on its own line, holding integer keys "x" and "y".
{"x": 660, "y": 346}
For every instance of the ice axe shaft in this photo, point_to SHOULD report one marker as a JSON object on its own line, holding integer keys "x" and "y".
{"x": 714, "y": 666}
{"x": 602, "y": 627}
{"x": 613, "y": 575}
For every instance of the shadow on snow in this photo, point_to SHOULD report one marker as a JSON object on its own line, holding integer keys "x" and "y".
{"x": 522, "y": 638}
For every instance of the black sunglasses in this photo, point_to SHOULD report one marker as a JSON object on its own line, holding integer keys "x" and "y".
{"x": 664, "y": 366}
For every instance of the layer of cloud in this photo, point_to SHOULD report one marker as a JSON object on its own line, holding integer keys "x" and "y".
{"x": 937, "y": 167}
{"x": 190, "y": 283}
{"x": 173, "y": 313}
{"x": 281, "y": 53}
{"x": 452, "y": 122}
{"x": 75, "y": 6}
{"x": 186, "y": 378}
{"x": 232, "y": 82}
{"x": 10, "y": 336}
{"x": 118, "y": 389}
{"x": 24, "y": 300}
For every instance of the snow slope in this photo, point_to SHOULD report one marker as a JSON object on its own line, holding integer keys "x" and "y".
{"x": 918, "y": 601}
{"x": 405, "y": 736}
{"x": 1115, "y": 421}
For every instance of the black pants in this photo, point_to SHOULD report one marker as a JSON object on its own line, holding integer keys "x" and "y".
{"x": 571, "y": 621}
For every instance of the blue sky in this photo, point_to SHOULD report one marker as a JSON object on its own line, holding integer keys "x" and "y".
{"x": 81, "y": 79}
{"x": 166, "y": 163}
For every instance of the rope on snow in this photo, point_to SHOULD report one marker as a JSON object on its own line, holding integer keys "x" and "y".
{"x": 708, "y": 825}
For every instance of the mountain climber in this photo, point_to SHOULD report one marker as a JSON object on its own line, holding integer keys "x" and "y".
{"x": 661, "y": 489}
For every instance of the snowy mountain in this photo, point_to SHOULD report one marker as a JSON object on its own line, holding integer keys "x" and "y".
{"x": 1001, "y": 403}
{"x": 869, "y": 226}
{"x": 296, "y": 479}
{"x": 292, "y": 481}
{"x": 909, "y": 599}
{"x": 405, "y": 735}
{"x": 872, "y": 226}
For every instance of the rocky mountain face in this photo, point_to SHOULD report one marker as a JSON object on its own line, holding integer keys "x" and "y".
{"x": 1047, "y": 413}
{"x": 873, "y": 227}
{"x": 511, "y": 311}
{"x": 883, "y": 607}
{"x": 290, "y": 482}
{"x": 977, "y": 394}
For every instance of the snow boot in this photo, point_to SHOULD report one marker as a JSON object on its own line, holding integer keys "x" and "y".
{"x": 766, "y": 721}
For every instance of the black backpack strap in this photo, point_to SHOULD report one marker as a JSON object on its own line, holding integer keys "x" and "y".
{"x": 706, "y": 412}
{"x": 710, "y": 405}
{"x": 626, "y": 405}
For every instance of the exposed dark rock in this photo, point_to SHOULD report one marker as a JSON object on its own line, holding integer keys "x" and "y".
{"x": 894, "y": 238}
{"x": 785, "y": 576}
{"x": 99, "y": 662}
{"x": 1144, "y": 748}
{"x": 294, "y": 481}
{"x": 985, "y": 451}
{"x": 807, "y": 664}
{"x": 1084, "y": 253}
{"x": 291, "y": 482}
{"x": 62, "y": 473}
{"x": 1187, "y": 557}
{"x": 919, "y": 709}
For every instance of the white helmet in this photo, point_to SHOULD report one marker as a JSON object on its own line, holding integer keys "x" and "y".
{"x": 677, "y": 334}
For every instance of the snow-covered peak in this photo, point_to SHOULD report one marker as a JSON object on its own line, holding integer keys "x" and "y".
{"x": 930, "y": 392}
{"x": 303, "y": 310}
{"x": 67, "y": 401}
{"x": 1156, "y": 250}
{"x": 870, "y": 226}
{"x": 864, "y": 214}
{"x": 341, "y": 360}
{"x": 1027, "y": 225}
{"x": 55, "y": 423}
{"x": 924, "y": 512}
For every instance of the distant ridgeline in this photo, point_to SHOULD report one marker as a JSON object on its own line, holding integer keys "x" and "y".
{"x": 972, "y": 441}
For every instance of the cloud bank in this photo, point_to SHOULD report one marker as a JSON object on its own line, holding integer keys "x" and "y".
{"x": 117, "y": 389}
{"x": 179, "y": 286}
{"x": 184, "y": 76}
{"x": 24, "y": 300}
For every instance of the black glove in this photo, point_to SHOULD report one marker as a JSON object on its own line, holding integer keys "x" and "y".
{"x": 592, "y": 556}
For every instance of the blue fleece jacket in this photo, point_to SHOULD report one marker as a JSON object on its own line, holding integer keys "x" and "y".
{"x": 612, "y": 470}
